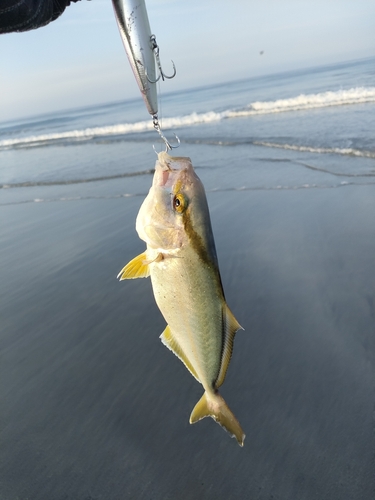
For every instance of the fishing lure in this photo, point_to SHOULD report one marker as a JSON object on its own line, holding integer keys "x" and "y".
{"x": 143, "y": 53}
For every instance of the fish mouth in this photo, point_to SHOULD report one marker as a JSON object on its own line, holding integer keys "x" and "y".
{"x": 165, "y": 161}
{"x": 168, "y": 168}
{"x": 164, "y": 178}
{"x": 165, "y": 174}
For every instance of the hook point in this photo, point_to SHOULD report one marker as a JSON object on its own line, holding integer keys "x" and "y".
{"x": 155, "y": 49}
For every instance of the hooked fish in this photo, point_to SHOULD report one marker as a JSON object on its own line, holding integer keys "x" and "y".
{"x": 181, "y": 260}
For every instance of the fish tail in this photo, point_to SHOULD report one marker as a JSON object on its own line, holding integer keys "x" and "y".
{"x": 213, "y": 405}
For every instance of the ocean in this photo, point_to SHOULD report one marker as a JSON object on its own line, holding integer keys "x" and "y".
{"x": 93, "y": 406}
{"x": 309, "y": 122}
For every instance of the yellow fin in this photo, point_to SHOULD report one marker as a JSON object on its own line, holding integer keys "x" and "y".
{"x": 169, "y": 341}
{"x": 230, "y": 327}
{"x": 213, "y": 405}
{"x": 136, "y": 268}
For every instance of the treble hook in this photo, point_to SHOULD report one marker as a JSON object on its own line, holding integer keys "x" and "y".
{"x": 155, "y": 49}
{"x": 168, "y": 145}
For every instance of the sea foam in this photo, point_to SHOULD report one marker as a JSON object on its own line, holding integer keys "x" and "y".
{"x": 309, "y": 149}
{"x": 357, "y": 95}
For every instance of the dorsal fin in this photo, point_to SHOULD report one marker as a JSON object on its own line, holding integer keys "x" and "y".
{"x": 169, "y": 341}
{"x": 230, "y": 327}
{"x": 136, "y": 268}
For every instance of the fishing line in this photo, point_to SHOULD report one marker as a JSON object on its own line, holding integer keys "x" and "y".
{"x": 160, "y": 104}
{"x": 157, "y": 123}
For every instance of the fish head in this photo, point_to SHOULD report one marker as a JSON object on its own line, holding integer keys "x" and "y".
{"x": 175, "y": 207}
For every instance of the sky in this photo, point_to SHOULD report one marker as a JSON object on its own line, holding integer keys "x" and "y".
{"x": 79, "y": 60}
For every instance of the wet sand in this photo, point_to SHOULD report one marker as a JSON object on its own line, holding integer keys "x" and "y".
{"x": 93, "y": 406}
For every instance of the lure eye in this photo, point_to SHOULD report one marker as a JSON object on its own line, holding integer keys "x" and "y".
{"x": 179, "y": 203}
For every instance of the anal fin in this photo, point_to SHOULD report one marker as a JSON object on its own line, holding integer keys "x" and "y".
{"x": 169, "y": 341}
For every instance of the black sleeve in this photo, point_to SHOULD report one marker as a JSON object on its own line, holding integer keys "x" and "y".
{"x": 24, "y": 15}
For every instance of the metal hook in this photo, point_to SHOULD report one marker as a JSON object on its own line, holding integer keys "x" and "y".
{"x": 168, "y": 145}
{"x": 155, "y": 49}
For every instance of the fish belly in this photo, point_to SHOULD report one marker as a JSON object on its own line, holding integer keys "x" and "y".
{"x": 190, "y": 298}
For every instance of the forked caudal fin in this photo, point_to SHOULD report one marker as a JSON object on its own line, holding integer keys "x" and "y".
{"x": 214, "y": 406}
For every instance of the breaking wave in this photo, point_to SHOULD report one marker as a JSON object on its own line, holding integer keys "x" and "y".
{"x": 358, "y": 95}
{"x": 110, "y": 130}
{"x": 308, "y": 149}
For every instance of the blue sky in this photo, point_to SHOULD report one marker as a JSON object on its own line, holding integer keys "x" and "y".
{"x": 79, "y": 59}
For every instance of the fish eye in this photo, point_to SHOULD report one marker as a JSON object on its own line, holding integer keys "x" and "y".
{"x": 179, "y": 203}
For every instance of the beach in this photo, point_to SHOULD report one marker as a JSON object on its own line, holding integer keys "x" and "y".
{"x": 93, "y": 406}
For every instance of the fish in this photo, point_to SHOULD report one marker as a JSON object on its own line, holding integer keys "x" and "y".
{"x": 181, "y": 259}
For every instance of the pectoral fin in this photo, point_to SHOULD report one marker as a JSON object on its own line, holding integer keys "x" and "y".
{"x": 169, "y": 341}
{"x": 136, "y": 268}
{"x": 214, "y": 406}
{"x": 230, "y": 326}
